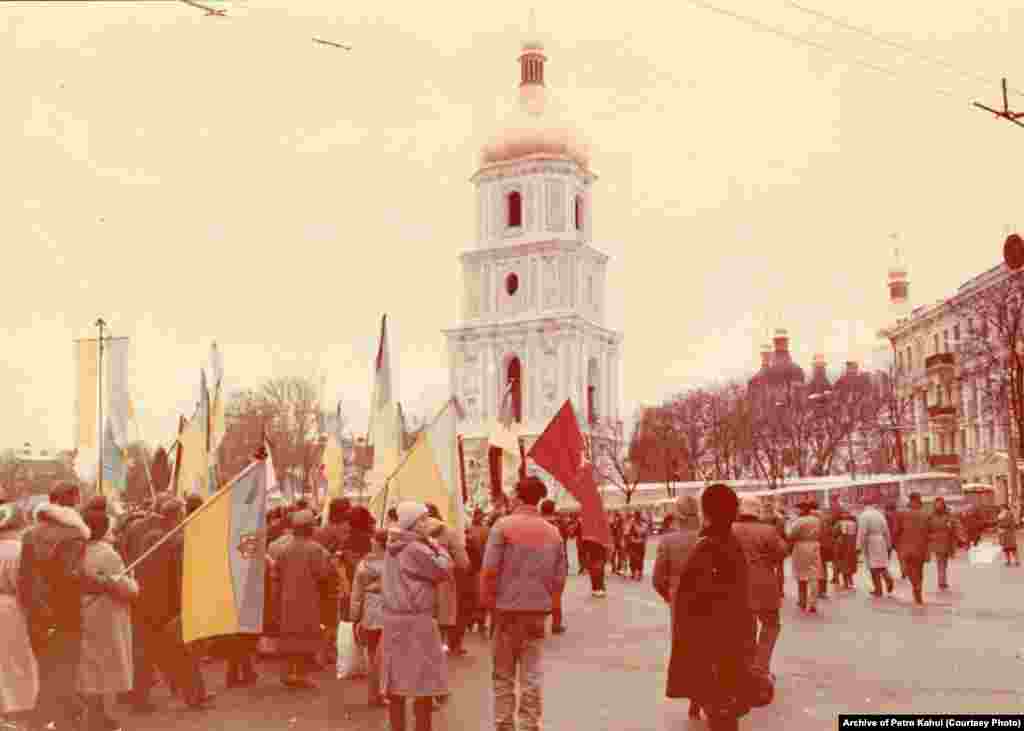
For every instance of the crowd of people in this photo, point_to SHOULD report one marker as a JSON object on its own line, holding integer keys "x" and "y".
{"x": 83, "y": 635}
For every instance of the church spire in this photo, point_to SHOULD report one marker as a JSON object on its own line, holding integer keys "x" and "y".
{"x": 531, "y": 60}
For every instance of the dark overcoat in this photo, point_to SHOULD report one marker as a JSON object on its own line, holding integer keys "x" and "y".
{"x": 712, "y": 626}
{"x": 764, "y": 550}
{"x": 912, "y": 534}
{"x": 305, "y": 574}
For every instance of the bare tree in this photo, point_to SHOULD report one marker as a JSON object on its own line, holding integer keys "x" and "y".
{"x": 619, "y": 462}
{"x": 13, "y": 475}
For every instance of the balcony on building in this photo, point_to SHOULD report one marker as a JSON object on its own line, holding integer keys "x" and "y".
{"x": 940, "y": 364}
{"x": 944, "y": 462}
{"x": 944, "y": 417}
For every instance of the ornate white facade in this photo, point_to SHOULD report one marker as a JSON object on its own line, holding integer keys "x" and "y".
{"x": 534, "y": 295}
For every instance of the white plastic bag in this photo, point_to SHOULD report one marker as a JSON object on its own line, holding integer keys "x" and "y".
{"x": 351, "y": 657}
{"x": 983, "y": 554}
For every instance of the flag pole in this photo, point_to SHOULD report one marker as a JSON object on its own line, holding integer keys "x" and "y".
{"x": 189, "y": 518}
{"x": 99, "y": 373}
{"x": 462, "y": 472}
{"x": 177, "y": 458}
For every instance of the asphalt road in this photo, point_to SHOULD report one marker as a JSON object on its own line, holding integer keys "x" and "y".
{"x": 959, "y": 653}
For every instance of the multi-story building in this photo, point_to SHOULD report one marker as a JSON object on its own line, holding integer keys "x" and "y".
{"x": 950, "y": 422}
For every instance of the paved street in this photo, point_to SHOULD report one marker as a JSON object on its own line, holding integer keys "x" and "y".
{"x": 957, "y": 654}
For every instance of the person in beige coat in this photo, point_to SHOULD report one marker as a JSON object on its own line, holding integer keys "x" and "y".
{"x": 674, "y": 548}
{"x": 105, "y": 665}
{"x": 804, "y": 534}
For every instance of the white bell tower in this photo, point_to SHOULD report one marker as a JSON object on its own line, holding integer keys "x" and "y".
{"x": 533, "y": 304}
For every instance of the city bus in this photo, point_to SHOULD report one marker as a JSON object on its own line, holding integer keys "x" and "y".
{"x": 982, "y": 497}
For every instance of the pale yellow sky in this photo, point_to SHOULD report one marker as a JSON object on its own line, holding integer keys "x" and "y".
{"x": 192, "y": 178}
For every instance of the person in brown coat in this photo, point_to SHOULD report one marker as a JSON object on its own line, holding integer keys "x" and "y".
{"x": 712, "y": 626}
{"x": 305, "y": 574}
{"x": 912, "y": 544}
{"x": 764, "y": 550}
{"x": 944, "y": 534}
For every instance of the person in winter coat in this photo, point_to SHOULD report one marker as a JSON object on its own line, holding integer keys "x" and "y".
{"x": 875, "y": 543}
{"x": 524, "y": 570}
{"x": 547, "y": 511}
{"x": 476, "y": 542}
{"x": 51, "y": 584}
{"x": 804, "y": 534}
{"x": 19, "y": 672}
{"x": 892, "y": 517}
{"x": 413, "y": 664}
{"x": 844, "y": 545}
{"x": 764, "y": 550}
{"x": 367, "y": 610}
{"x": 712, "y": 625}
{"x": 448, "y": 592}
{"x": 912, "y": 544}
{"x": 827, "y": 518}
{"x": 674, "y": 549}
{"x": 105, "y": 666}
{"x": 944, "y": 533}
{"x": 1008, "y": 535}
{"x": 304, "y": 572}
{"x": 636, "y": 535}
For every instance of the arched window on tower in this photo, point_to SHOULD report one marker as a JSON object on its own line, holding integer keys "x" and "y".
{"x": 579, "y": 213}
{"x": 515, "y": 208}
{"x": 514, "y": 377}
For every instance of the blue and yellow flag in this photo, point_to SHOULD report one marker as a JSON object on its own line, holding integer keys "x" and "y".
{"x": 225, "y": 549}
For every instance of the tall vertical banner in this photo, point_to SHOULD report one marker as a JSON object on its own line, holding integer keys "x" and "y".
{"x": 118, "y": 396}
{"x": 86, "y": 394}
{"x": 222, "y": 589}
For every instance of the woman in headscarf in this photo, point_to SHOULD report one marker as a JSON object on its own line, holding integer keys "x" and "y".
{"x": 413, "y": 664}
{"x": 19, "y": 674}
{"x": 105, "y": 666}
{"x": 1008, "y": 535}
{"x": 805, "y": 534}
{"x": 712, "y": 625}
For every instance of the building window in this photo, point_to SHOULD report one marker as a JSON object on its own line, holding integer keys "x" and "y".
{"x": 511, "y": 284}
{"x": 579, "y": 213}
{"x": 515, "y": 209}
{"x": 514, "y": 377}
{"x": 945, "y": 340}
{"x": 956, "y": 333}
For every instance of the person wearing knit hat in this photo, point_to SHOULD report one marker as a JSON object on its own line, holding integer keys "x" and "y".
{"x": 765, "y": 550}
{"x": 304, "y": 570}
{"x": 19, "y": 671}
{"x": 712, "y": 625}
{"x": 412, "y": 662}
{"x": 805, "y": 535}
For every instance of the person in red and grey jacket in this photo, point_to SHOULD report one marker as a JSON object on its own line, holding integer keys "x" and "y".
{"x": 524, "y": 573}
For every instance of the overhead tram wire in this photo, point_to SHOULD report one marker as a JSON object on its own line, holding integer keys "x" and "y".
{"x": 793, "y": 37}
{"x": 839, "y": 22}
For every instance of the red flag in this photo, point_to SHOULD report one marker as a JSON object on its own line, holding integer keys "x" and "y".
{"x": 593, "y": 519}
{"x": 560, "y": 451}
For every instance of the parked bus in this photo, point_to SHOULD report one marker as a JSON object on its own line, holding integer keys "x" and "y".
{"x": 982, "y": 497}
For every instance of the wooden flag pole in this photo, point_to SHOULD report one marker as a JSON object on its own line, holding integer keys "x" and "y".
{"x": 462, "y": 472}
{"x": 177, "y": 458}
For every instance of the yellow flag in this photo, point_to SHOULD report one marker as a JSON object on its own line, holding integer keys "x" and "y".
{"x": 334, "y": 469}
{"x": 194, "y": 470}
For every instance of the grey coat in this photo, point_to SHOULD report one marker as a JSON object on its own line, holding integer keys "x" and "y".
{"x": 367, "y": 603}
{"x": 873, "y": 539}
{"x": 673, "y": 551}
{"x": 412, "y": 662}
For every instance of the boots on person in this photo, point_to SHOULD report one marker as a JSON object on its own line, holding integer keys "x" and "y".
{"x": 918, "y": 595}
{"x": 889, "y": 583}
{"x": 801, "y": 592}
{"x": 823, "y": 588}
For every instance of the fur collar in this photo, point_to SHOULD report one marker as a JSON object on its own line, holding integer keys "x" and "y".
{"x": 67, "y": 517}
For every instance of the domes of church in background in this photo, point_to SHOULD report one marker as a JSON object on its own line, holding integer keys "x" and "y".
{"x": 537, "y": 126}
